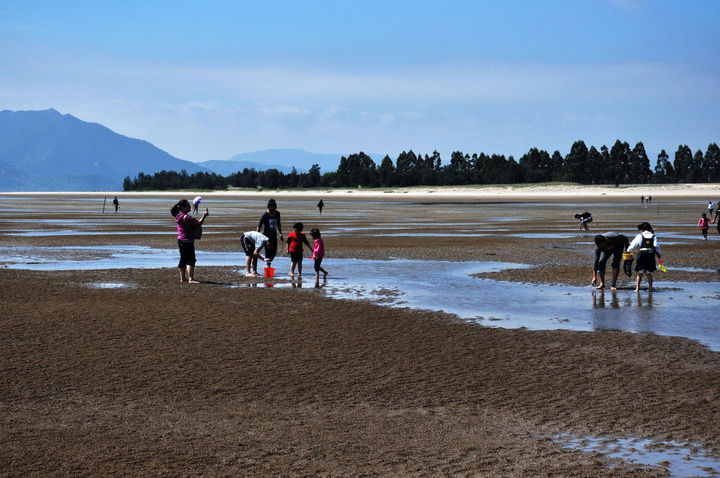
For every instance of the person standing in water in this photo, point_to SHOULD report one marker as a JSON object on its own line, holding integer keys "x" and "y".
{"x": 704, "y": 225}
{"x": 186, "y": 227}
{"x": 646, "y": 245}
{"x": 606, "y": 245}
{"x": 270, "y": 226}
{"x": 116, "y": 203}
{"x": 320, "y": 206}
{"x": 295, "y": 241}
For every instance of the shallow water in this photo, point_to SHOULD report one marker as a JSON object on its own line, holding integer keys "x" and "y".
{"x": 676, "y": 309}
{"x": 677, "y": 459}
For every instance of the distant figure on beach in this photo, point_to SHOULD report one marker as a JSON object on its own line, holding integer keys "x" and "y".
{"x": 642, "y": 198}
{"x": 270, "y": 226}
{"x": 649, "y": 198}
{"x": 716, "y": 219}
{"x": 584, "y": 219}
{"x": 295, "y": 241}
{"x": 646, "y": 245}
{"x": 252, "y": 242}
{"x": 187, "y": 228}
{"x": 606, "y": 245}
{"x": 318, "y": 252}
{"x": 704, "y": 225}
{"x": 711, "y": 207}
{"x": 196, "y": 203}
{"x": 320, "y": 206}
{"x": 116, "y": 203}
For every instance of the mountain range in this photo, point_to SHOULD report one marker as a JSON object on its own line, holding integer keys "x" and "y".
{"x": 50, "y": 151}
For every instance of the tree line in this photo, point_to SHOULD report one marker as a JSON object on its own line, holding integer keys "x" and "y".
{"x": 619, "y": 164}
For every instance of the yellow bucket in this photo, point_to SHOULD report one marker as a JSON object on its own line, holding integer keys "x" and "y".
{"x": 627, "y": 256}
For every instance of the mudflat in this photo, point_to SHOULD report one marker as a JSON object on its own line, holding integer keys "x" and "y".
{"x": 223, "y": 378}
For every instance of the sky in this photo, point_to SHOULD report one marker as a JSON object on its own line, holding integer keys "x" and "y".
{"x": 212, "y": 79}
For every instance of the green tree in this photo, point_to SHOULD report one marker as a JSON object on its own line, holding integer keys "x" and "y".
{"x": 576, "y": 163}
{"x": 711, "y": 168}
{"x": 664, "y": 171}
{"x": 683, "y": 163}
{"x": 639, "y": 165}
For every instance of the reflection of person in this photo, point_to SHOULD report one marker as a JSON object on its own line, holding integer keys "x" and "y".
{"x": 186, "y": 226}
{"x": 252, "y": 242}
{"x": 704, "y": 225}
{"x": 646, "y": 245}
{"x": 295, "y": 242}
{"x": 270, "y": 226}
{"x": 584, "y": 219}
{"x": 116, "y": 203}
{"x": 321, "y": 204}
{"x": 606, "y": 245}
{"x": 318, "y": 250}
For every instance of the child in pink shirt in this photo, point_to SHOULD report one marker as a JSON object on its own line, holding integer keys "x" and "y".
{"x": 318, "y": 253}
{"x": 704, "y": 225}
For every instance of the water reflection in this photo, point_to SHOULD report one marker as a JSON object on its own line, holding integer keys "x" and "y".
{"x": 683, "y": 309}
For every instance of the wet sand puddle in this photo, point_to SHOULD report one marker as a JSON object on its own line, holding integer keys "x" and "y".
{"x": 672, "y": 458}
{"x": 439, "y": 285}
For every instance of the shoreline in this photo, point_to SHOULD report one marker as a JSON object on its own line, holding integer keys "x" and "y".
{"x": 519, "y": 191}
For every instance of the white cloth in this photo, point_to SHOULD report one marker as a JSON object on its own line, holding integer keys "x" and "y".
{"x": 197, "y": 200}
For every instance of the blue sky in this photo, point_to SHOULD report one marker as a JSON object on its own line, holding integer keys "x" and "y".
{"x": 208, "y": 80}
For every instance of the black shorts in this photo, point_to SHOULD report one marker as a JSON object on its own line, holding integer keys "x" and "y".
{"x": 248, "y": 245}
{"x": 318, "y": 261}
{"x": 187, "y": 254}
{"x": 296, "y": 256}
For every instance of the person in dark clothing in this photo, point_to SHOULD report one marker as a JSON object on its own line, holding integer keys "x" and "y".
{"x": 606, "y": 245}
{"x": 269, "y": 225}
{"x": 321, "y": 204}
{"x": 584, "y": 219}
{"x": 116, "y": 203}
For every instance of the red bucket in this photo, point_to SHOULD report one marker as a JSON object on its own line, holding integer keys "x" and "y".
{"x": 270, "y": 272}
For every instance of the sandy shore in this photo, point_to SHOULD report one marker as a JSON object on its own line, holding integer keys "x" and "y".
{"x": 226, "y": 379}
{"x": 508, "y": 192}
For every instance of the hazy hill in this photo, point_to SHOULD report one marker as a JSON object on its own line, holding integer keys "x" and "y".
{"x": 227, "y": 167}
{"x": 280, "y": 159}
{"x": 46, "y": 150}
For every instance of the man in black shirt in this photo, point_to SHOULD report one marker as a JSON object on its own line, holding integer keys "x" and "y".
{"x": 606, "y": 245}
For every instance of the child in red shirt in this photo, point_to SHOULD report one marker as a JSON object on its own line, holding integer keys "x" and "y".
{"x": 295, "y": 242}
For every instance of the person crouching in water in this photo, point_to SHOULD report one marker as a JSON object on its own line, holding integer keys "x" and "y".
{"x": 646, "y": 245}
{"x": 186, "y": 227}
{"x": 606, "y": 245}
{"x": 295, "y": 242}
{"x": 252, "y": 242}
{"x": 318, "y": 253}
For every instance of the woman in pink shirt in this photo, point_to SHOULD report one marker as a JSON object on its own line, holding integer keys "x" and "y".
{"x": 186, "y": 227}
{"x": 318, "y": 253}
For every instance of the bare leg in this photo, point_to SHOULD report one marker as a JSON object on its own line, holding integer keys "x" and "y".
{"x": 601, "y": 284}
{"x": 191, "y": 275}
{"x": 292, "y": 269}
{"x": 299, "y": 268}
{"x": 248, "y": 270}
{"x": 182, "y": 274}
{"x": 637, "y": 282}
{"x": 615, "y": 273}
{"x": 650, "y": 282}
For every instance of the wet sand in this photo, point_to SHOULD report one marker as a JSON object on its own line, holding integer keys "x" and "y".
{"x": 223, "y": 379}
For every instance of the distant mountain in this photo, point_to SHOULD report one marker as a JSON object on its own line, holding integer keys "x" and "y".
{"x": 285, "y": 160}
{"x": 227, "y": 167}
{"x": 49, "y": 151}
{"x": 281, "y": 159}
